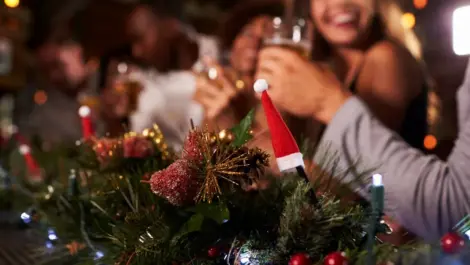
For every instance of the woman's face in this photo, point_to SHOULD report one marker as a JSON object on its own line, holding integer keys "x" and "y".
{"x": 247, "y": 44}
{"x": 343, "y": 22}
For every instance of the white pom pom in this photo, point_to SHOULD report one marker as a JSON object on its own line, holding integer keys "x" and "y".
{"x": 84, "y": 111}
{"x": 260, "y": 85}
{"x": 24, "y": 149}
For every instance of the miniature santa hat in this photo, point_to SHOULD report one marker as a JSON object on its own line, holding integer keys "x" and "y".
{"x": 286, "y": 150}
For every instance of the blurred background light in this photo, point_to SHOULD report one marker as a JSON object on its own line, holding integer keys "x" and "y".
{"x": 408, "y": 20}
{"x": 460, "y": 30}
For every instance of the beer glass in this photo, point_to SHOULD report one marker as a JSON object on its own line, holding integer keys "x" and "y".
{"x": 127, "y": 81}
{"x": 294, "y": 34}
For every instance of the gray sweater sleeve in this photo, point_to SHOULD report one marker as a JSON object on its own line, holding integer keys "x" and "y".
{"x": 426, "y": 195}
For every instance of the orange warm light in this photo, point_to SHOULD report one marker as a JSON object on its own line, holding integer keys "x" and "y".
{"x": 430, "y": 142}
{"x": 40, "y": 97}
{"x": 408, "y": 20}
{"x": 420, "y": 4}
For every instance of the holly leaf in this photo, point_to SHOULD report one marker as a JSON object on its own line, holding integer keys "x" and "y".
{"x": 194, "y": 224}
{"x": 215, "y": 211}
{"x": 241, "y": 132}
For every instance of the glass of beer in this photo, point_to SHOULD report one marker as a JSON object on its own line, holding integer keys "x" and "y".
{"x": 295, "y": 34}
{"x": 126, "y": 82}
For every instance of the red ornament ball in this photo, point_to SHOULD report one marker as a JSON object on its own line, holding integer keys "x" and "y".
{"x": 212, "y": 252}
{"x": 178, "y": 183}
{"x": 336, "y": 258}
{"x": 300, "y": 259}
{"x": 452, "y": 243}
{"x": 137, "y": 147}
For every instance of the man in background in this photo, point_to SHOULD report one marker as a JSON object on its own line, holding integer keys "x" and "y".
{"x": 61, "y": 75}
{"x": 171, "y": 51}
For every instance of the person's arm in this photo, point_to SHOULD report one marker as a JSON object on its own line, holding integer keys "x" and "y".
{"x": 389, "y": 80}
{"x": 425, "y": 194}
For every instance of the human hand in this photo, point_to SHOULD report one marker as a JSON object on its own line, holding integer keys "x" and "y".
{"x": 298, "y": 86}
{"x": 214, "y": 92}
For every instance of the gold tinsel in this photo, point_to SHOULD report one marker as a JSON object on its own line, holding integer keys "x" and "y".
{"x": 155, "y": 135}
{"x": 221, "y": 161}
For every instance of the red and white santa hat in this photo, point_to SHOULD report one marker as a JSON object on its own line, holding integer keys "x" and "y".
{"x": 285, "y": 148}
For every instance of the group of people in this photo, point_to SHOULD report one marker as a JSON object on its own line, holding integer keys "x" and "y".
{"x": 363, "y": 90}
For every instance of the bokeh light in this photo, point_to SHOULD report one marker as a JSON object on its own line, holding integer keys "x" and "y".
{"x": 40, "y": 97}
{"x": 430, "y": 142}
{"x": 460, "y": 36}
{"x": 408, "y": 20}
{"x": 420, "y": 4}
{"x": 12, "y": 3}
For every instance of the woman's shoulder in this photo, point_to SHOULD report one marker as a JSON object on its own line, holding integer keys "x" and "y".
{"x": 390, "y": 67}
{"x": 390, "y": 52}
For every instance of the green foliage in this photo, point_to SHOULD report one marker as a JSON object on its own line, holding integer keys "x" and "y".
{"x": 110, "y": 209}
{"x": 241, "y": 132}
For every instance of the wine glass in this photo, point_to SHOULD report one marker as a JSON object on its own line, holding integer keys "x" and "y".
{"x": 294, "y": 34}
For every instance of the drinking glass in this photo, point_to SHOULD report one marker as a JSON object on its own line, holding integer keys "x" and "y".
{"x": 127, "y": 81}
{"x": 294, "y": 34}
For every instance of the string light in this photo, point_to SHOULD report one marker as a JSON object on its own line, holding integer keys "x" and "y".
{"x": 430, "y": 142}
{"x": 420, "y": 4}
{"x": 12, "y": 3}
{"x": 408, "y": 20}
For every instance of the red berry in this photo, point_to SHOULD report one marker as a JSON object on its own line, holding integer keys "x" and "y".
{"x": 452, "y": 243}
{"x": 336, "y": 258}
{"x": 300, "y": 259}
{"x": 213, "y": 252}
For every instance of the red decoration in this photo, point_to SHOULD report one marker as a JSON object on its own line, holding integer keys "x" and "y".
{"x": 452, "y": 243}
{"x": 335, "y": 258}
{"x": 137, "y": 147}
{"x": 300, "y": 259}
{"x": 178, "y": 183}
{"x": 104, "y": 149}
{"x": 87, "y": 127}
{"x": 285, "y": 148}
{"x": 34, "y": 171}
{"x": 191, "y": 150}
{"x": 213, "y": 252}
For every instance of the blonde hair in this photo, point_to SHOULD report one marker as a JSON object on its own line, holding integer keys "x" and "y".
{"x": 391, "y": 15}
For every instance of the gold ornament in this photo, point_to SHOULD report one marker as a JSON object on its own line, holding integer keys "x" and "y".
{"x": 236, "y": 166}
{"x": 156, "y": 136}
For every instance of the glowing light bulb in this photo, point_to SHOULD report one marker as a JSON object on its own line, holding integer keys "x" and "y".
{"x": 460, "y": 36}
{"x": 408, "y": 20}
{"x": 377, "y": 180}
{"x": 430, "y": 142}
{"x": 12, "y": 3}
{"x": 420, "y": 4}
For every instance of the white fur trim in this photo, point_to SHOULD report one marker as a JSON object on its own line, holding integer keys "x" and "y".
{"x": 289, "y": 162}
{"x": 84, "y": 111}
{"x": 24, "y": 149}
{"x": 261, "y": 85}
